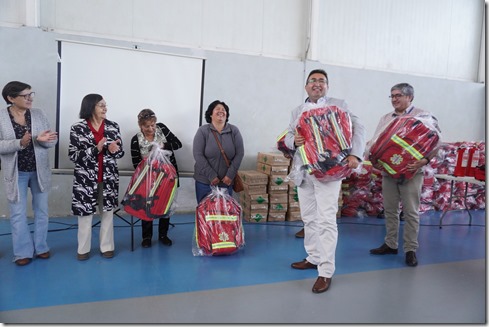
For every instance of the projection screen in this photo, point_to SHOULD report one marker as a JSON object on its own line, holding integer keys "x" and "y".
{"x": 130, "y": 80}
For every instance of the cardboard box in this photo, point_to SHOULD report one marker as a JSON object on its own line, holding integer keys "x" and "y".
{"x": 254, "y": 206}
{"x": 253, "y": 177}
{"x": 273, "y": 188}
{"x": 258, "y": 216}
{"x": 292, "y": 188}
{"x": 277, "y": 179}
{"x": 277, "y": 207}
{"x": 293, "y": 197}
{"x": 272, "y": 158}
{"x": 272, "y": 169}
{"x": 276, "y": 216}
{"x": 255, "y": 189}
{"x": 254, "y": 198}
{"x": 278, "y": 198}
{"x": 293, "y": 204}
{"x": 293, "y": 216}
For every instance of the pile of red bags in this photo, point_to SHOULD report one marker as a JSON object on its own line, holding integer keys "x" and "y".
{"x": 362, "y": 192}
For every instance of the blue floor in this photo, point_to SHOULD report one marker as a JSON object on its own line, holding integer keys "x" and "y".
{"x": 265, "y": 259}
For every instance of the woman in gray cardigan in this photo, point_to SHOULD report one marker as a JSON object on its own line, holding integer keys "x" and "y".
{"x": 210, "y": 167}
{"x": 25, "y": 138}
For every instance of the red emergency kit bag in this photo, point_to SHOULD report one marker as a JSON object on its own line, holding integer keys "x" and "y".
{"x": 152, "y": 188}
{"x": 328, "y": 137}
{"x": 404, "y": 140}
{"x": 480, "y": 173}
{"x": 282, "y": 147}
{"x": 218, "y": 225}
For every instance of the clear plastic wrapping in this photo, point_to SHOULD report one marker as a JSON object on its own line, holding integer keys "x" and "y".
{"x": 328, "y": 135}
{"x": 288, "y": 153}
{"x": 218, "y": 225}
{"x": 152, "y": 190}
{"x": 404, "y": 140}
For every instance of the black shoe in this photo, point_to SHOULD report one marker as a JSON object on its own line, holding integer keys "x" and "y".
{"x": 411, "y": 259}
{"x": 383, "y": 249}
{"x": 166, "y": 241}
{"x": 146, "y": 243}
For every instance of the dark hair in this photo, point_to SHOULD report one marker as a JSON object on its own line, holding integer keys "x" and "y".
{"x": 88, "y": 105}
{"x": 208, "y": 112}
{"x": 146, "y": 114}
{"x": 13, "y": 89}
{"x": 318, "y": 71}
{"x": 405, "y": 89}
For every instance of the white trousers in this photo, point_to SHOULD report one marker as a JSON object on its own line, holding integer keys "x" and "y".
{"x": 319, "y": 205}
{"x": 106, "y": 236}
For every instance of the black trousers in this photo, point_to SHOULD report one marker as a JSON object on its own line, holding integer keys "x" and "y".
{"x": 147, "y": 227}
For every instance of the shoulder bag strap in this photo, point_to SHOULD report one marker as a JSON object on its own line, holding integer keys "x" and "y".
{"x": 220, "y": 148}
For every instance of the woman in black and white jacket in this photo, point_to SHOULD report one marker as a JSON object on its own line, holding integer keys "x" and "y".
{"x": 95, "y": 146}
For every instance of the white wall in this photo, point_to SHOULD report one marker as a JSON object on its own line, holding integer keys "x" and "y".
{"x": 261, "y": 93}
{"x": 439, "y": 38}
{"x": 255, "y": 50}
{"x": 272, "y": 27}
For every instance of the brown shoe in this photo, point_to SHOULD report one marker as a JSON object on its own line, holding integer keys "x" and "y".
{"x": 321, "y": 285}
{"x": 300, "y": 234}
{"x": 108, "y": 254}
{"x": 44, "y": 255}
{"x": 383, "y": 249}
{"x": 304, "y": 264}
{"x": 23, "y": 261}
{"x": 83, "y": 256}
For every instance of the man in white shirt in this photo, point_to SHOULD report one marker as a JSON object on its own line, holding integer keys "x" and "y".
{"x": 319, "y": 199}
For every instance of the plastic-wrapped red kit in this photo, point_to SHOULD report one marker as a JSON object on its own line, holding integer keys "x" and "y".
{"x": 282, "y": 147}
{"x": 152, "y": 188}
{"x": 218, "y": 225}
{"x": 405, "y": 139}
{"x": 328, "y": 137}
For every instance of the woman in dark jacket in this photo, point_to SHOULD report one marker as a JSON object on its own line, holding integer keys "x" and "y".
{"x": 95, "y": 146}
{"x": 141, "y": 145}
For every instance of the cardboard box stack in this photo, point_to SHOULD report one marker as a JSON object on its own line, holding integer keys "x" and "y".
{"x": 293, "y": 209}
{"x": 276, "y": 166}
{"x": 254, "y": 199}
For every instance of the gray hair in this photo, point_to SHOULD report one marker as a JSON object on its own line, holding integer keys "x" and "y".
{"x": 405, "y": 89}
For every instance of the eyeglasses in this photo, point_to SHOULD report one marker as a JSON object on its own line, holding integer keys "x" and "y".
{"x": 396, "y": 96}
{"x": 321, "y": 81}
{"x": 27, "y": 96}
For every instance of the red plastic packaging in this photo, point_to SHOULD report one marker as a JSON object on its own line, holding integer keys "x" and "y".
{"x": 405, "y": 139}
